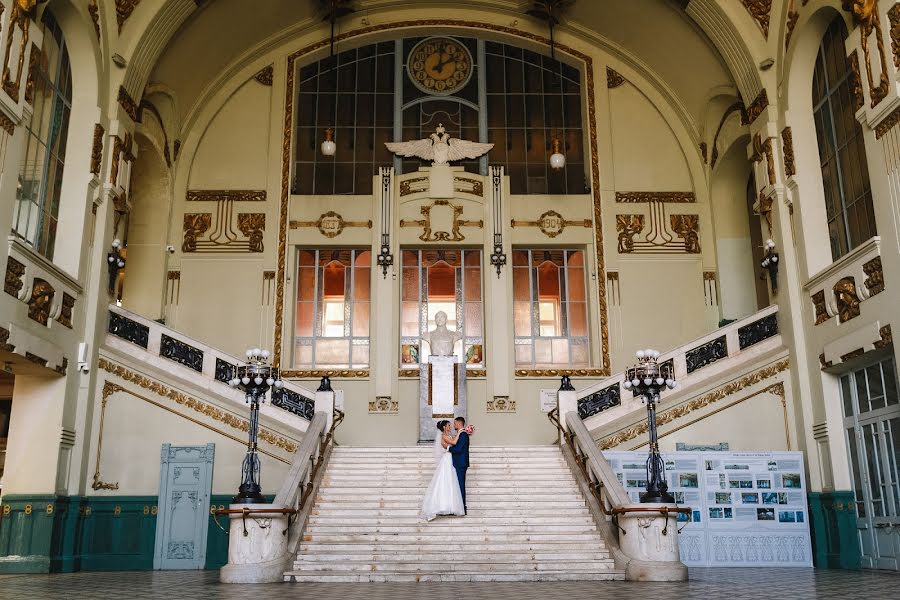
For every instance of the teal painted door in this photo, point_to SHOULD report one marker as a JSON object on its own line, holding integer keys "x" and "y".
{"x": 185, "y": 483}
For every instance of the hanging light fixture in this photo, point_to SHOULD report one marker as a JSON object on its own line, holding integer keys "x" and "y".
{"x": 557, "y": 159}
{"x": 334, "y": 9}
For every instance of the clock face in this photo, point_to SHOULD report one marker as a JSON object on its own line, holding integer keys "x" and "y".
{"x": 440, "y": 66}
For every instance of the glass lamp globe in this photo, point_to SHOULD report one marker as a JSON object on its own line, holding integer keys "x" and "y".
{"x": 328, "y": 146}
{"x": 557, "y": 159}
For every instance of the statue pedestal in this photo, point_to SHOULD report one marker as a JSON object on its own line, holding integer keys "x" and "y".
{"x": 442, "y": 393}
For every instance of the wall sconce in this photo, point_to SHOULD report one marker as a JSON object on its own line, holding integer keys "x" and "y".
{"x": 769, "y": 262}
{"x": 116, "y": 262}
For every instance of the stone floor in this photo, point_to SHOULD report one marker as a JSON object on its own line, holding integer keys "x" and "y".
{"x": 708, "y": 584}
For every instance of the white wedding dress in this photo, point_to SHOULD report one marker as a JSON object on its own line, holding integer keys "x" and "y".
{"x": 443, "y": 496}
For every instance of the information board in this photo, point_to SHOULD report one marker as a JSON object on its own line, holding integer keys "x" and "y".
{"x": 748, "y": 508}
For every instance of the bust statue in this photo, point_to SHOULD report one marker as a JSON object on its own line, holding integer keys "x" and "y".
{"x": 441, "y": 340}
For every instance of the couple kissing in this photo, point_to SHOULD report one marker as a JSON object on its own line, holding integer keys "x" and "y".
{"x": 446, "y": 494}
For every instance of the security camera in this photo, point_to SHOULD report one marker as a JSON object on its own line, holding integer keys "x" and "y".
{"x": 170, "y": 249}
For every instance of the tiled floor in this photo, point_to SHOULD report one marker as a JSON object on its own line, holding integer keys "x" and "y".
{"x": 708, "y": 584}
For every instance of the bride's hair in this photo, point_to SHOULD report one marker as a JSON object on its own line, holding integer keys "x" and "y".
{"x": 442, "y": 424}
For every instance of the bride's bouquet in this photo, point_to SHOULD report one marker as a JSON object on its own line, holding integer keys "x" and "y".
{"x": 470, "y": 429}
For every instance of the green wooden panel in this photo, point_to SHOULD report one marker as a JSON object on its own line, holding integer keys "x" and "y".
{"x": 832, "y": 520}
{"x": 26, "y": 529}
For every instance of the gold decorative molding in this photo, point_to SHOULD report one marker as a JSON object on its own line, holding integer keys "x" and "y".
{"x": 124, "y": 8}
{"x": 94, "y": 11}
{"x": 560, "y": 372}
{"x": 821, "y": 312}
{"x": 128, "y": 104}
{"x": 874, "y": 276}
{"x": 38, "y": 360}
{"x": 194, "y": 226}
{"x": 666, "y": 197}
{"x": 65, "y": 311}
{"x": 42, "y": 294}
{"x": 469, "y": 186}
{"x": 688, "y": 228}
{"x": 847, "y": 299}
{"x": 755, "y": 108}
{"x": 97, "y": 149}
{"x": 317, "y": 373}
{"x": 894, "y": 20}
{"x": 627, "y": 227}
{"x": 252, "y": 225}
{"x": 7, "y": 124}
{"x": 35, "y": 58}
{"x": 264, "y": 75}
{"x": 383, "y": 405}
{"x": 703, "y": 401}
{"x": 454, "y": 235}
{"x": 787, "y": 147}
{"x": 98, "y": 484}
{"x": 501, "y": 404}
{"x": 885, "y": 125}
{"x": 287, "y": 131}
{"x": 887, "y": 337}
{"x": 13, "y": 283}
{"x": 4, "y": 341}
{"x": 20, "y": 15}
{"x": 407, "y": 187}
{"x": 852, "y": 354}
{"x": 330, "y": 224}
{"x": 759, "y": 10}
{"x": 865, "y": 14}
{"x": 551, "y": 223}
{"x": 613, "y": 78}
{"x": 792, "y": 17}
{"x": 207, "y": 410}
{"x": 408, "y": 373}
{"x": 223, "y": 195}
{"x": 704, "y": 152}
{"x": 223, "y": 237}
{"x": 856, "y": 83}
{"x": 471, "y": 373}
{"x": 764, "y": 149}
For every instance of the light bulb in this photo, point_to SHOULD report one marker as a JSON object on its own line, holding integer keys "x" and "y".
{"x": 635, "y": 382}
{"x": 249, "y": 352}
{"x": 270, "y": 381}
{"x": 647, "y": 381}
{"x": 121, "y": 263}
{"x": 116, "y": 243}
{"x": 557, "y": 159}
{"x": 672, "y": 385}
{"x": 640, "y": 354}
{"x": 770, "y": 243}
{"x": 775, "y": 258}
{"x": 265, "y": 354}
{"x": 279, "y": 383}
{"x": 245, "y": 380}
{"x": 328, "y": 146}
{"x": 627, "y": 385}
{"x": 111, "y": 259}
{"x": 258, "y": 380}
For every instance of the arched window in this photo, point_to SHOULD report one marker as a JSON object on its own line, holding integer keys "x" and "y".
{"x": 40, "y": 178}
{"x": 842, "y": 152}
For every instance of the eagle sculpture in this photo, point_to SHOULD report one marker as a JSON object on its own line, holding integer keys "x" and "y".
{"x": 439, "y": 148}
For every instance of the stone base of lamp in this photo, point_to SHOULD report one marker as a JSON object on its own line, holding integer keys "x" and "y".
{"x": 651, "y": 540}
{"x": 261, "y": 555}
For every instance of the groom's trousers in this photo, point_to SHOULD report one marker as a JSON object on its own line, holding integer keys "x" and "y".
{"x": 461, "y": 476}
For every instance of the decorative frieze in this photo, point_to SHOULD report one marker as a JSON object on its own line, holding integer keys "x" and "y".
{"x": 127, "y": 329}
{"x": 182, "y": 353}
{"x": 42, "y": 294}
{"x": 759, "y": 10}
{"x": 821, "y": 311}
{"x": 319, "y": 373}
{"x": 561, "y": 372}
{"x": 599, "y": 401}
{"x": 757, "y": 331}
{"x": 501, "y": 404}
{"x": 874, "y": 276}
{"x": 551, "y": 223}
{"x": 331, "y": 224}
{"x": 787, "y": 147}
{"x": 128, "y": 104}
{"x": 847, "y": 299}
{"x": 664, "y": 197}
{"x": 124, "y": 8}
{"x": 627, "y": 227}
{"x": 759, "y": 104}
{"x": 65, "y": 311}
{"x": 264, "y": 75}
{"x": 415, "y": 185}
{"x": 94, "y": 11}
{"x": 384, "y": 405}
{"x": 14, "y": 272}
{"x": 97, "y": 149}
{"x": 613, "y": 78}
{"x": 688, "y": 228}
{"x": 705, "y": 355}
{"x": 467, "y": 185}
{"x": 454, "y": 235}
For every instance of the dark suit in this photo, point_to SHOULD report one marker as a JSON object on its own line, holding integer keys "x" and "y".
{"x": 460, "y": 455}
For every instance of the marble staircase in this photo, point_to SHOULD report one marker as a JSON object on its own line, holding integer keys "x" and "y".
{"x": 527, "y": 521}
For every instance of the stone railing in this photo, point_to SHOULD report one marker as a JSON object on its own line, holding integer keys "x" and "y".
{"x": 838, "y": 290}
{"x": 694, "y": 362}
{"x": 158, "y": 346}
{"x": 641, "y": 538}
{"x": 263, "y": 538}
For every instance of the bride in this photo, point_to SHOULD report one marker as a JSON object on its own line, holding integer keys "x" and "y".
{"x": 443, "y": 496}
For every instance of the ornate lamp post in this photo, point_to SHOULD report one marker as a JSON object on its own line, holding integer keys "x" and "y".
{"x": 769, "y": 262}
{"x": 254, "y": 379}
{"x": 647, "y": 379}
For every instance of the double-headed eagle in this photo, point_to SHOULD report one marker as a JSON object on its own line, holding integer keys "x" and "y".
{"x": 439, "y": 148}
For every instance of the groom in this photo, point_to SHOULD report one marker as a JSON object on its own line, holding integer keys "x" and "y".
{"x": 460, "y": 452}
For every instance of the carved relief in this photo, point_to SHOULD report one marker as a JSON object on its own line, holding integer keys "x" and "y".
{"x": 551, "y": 223}
{"x": 94, "y": 11}
{"x": 667, "y": 197}
{"x": 885, "y": 125}
{"x": 413, "y": 186}
{"x": 628, "y": 226}
{"x": 97, "y": 149}
{"x": 124, "y": 8}
{"x": 865, "y": 13}
{"x": 887, "y": 337}
{"x": 14, "y": 272}
{"x": 384, "y": 405}
{"x": 454, "y": 235}
{"x": 874, "y": 276}
{"x": 856, "y": 81}
{"x": 20, "y": 16}
{"x": 252, "y": 225}
{"x": 7, "y": 124}
{"x": 4, "y": 340}
{"x": 787, "y": 147}
{"x": 821, "y": 311}
{"x": 330, "y": 224}
{"x": 847, "y": 299}
{"x": 759, "y": 10}
{"x": 264, "y": 76}
{"x": 501, "y": 404}
{"x": 764, "y": 149}
{"x": 688, "y": 228}
{"x": 613, "y": 78}
{"x": 467, "y": 185}
{"x": 42, "y": 294}
{"x": 792, "y": 17}
{"x": 195, "y": 225}
{"x": 129, "y": 105}
{"x": 756, "y": 107}
{"x": 35, "y": 59}
{"x": 65, "y": 313}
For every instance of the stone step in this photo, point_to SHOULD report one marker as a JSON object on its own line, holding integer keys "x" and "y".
{"x": 413, "y": 511}
{"x": 441, "y": 546}
{"x": 395, "y": 577}
{"x": 453, "y": 526}
{"x": 316, "y": 521}
{"x": 316, "y": 555}
{"x": 483, "y": 540}
{"x": 428, "y": 449}
{"x": 492, "y": 499}
{"x": 474, "y": 475}
{"x": 452, "y": 564}
{"x": 500, "y": 487}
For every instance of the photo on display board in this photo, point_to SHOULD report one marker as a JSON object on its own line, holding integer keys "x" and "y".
{"x": 723, "y": 498}
{"x": 715, "y": 513}
{"x": 687, "y": 480}
{"x": 636, "y": 483}
{"x": 773, "y": 466}
{"x": 736, "y": 467}
{"x": 764, "y": 484}
{"x": 697, "y": 516}
{"x": 799, "y": 516}
{"x": 787, "y": 516}
{"x": 679, "y": 497}
{"x": 728, "y": 513}
{"x": 749, "y": 498}
{"x": 765, "y": 514}
{"x": 782, "y": 498}
{"x": 790, "y": 480}
{"x": 770, "y": 498}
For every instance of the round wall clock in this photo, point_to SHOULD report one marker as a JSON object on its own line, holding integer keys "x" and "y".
{"x": 439, "y": 65}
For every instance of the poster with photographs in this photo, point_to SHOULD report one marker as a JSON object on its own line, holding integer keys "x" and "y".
{"x": 747, "y": 508}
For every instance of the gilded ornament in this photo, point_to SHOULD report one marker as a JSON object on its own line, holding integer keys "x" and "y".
{"x": 331, "y": 373}
{"x": 124, "y": 8}
{"x": 688, "y": 228}
{"x": 38, "y": 360}
{"x": 759, "y": 10}
{"x": 129, "y": 105}
{"x": 252, "y": 225}
{"x": 384, "y": 405}
{"x": 874, "y": 276}
{"x": 756, "y": 107}
{"x": 14, "y": 272}
{"x": 865, "y": 14}
{"x": 704, "y": 151}
{"x": 7, "y": 124}
{"x": 787, "y": 147}
{"x": 887, "y": 337}
{"x": 792, "y": 17}
{"x": 116, "y": 157}
{"x": 847, "y": 299}
{"x": 330, "y": 224}
{"x": 195, "y": 225}
{"x": 818, "y": 300}
{"x": 613, "y": 78}
{"x": 42, "y": 294}
{"x": 36, "y": 61}
{"x": 97, "y": 149}
{"x": 551, "y": 223}
{"x": 501, "y": 404}
{"x": 264, "y": 75}
{"x": 894, "y": 19}
{"x": 19, "y": 16}
{"x": 852, "y": 354}
{"x": 764, "y": 149}
{"x": 454, "y": 235}
{"x": 855, "y": 81}
{"x": 628, "y": 226}
{"x": 666, "y": 197}
{"x": 561, "y": 372}
{"x": 440, "y": 66}
{"x": 4, "y": 340}
{"x": 703, "y": 401}
{"x": 94, "y": 11}
{"x": 65, "y": 312}
{"x": 476, "y": 186}
{"x": 407, "y": 187}
{"x": 223, "y": 195}
{"x": 884, "y": 126}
